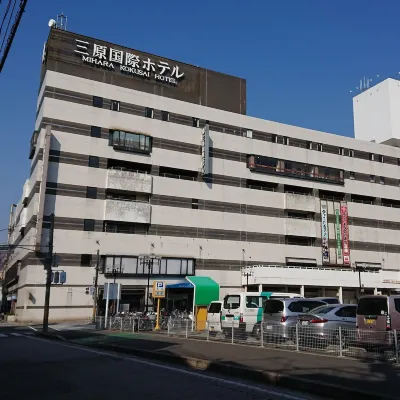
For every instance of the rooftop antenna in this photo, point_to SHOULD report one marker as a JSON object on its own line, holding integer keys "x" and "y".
{"x": 62, "y": 21}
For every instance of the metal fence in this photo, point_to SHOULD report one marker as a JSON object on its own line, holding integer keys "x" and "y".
{"x": 341, "y": 342}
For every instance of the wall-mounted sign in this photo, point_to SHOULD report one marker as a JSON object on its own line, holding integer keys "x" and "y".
{"x": 338, "y": 234}
{"x": 128, "y": 63}
{"x": 205, "y": 151}
{"x": 325, "y": 231}
{"x": 345, "y": 233}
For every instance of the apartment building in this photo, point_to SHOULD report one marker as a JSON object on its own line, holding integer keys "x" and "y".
{"x": 140, "y": 156}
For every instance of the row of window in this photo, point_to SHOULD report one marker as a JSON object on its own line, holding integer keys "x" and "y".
{"x": 141, "y": 266}
{"x": 139, "y": 143}
{"x": 295, "y": 169}
{"x": 285, "y": 140}
{"x": 148, "y": 112}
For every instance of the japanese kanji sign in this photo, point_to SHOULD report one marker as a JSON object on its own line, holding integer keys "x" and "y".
{"x": 128, "y": 63}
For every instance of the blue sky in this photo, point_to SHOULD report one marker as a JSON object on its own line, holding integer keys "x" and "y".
{"x": 300, "y": 58}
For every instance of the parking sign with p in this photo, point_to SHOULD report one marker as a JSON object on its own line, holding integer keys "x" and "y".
{"x": 158, "y": 289}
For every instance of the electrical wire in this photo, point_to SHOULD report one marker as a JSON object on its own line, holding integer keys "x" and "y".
{"x": 8, "y": 25}
{"x": 5, "y": 15}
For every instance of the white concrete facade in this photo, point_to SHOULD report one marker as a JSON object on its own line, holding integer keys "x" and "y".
{"x": 279, "y": 226}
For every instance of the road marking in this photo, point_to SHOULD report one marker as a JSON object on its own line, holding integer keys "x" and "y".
{"x": 31, "y": 327}
{"x": 16, "y": 334}
{"x": 174, "y": 369}
{"x": 28, "y": 333}
{"x": 2, "y": 335}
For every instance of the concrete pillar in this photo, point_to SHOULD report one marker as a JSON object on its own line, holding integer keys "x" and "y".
{"x": 260, "y": 288}
{"x": 340, "y": 294}
{"x": 302, "y": 290}
{"x": 375, "y": 291}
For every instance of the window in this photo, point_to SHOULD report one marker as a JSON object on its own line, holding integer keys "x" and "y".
{"x": 249, "y": 133}
{"x": 88, "y": 225}
{"x": 286, "y": 140}
{"x": 86, "y": 260}
{"x": 274, "y": 138}
{"x": 195, "y": 204}
{"x": 97, "y": 102}
{"x": 371, "y": 156}
{"x": 372, "y": 178}
{"x": 351, "y": 153}
{"x": 114, "y": 105}
{"x": 232, "y": 302}
{"x": 352, "y": 175}
{"x": 304, "y": 306}
{"x": 91, "y": 193}
{"x": 382, "y": 180}
{"x": 323, "y": 310}
{"x": 347, "y": 312}
{"x": 319, "y": 146}
{"x": 148, "y": 112}
{"x": 165, "y": 116}
{"x": 341, "y": 151}
{"x": 380, "y": 158}
{"x": 195, "y": 122}
{"x": 397, "y": 305}
{"x": 133, "y": 142}
{"x": 309, "y": 145}
{"x": 214, "y": 308}
{"x": 94, "y": 161}
{"x": 254, "y": 301}
{"x": 95, "y": 131}
{"x": 372, "y": 306}
{"x": 273, "y": 306}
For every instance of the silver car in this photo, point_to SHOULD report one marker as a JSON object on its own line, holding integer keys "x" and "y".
{"x": 323, "y": 324}
{"x": 280, "y": 316}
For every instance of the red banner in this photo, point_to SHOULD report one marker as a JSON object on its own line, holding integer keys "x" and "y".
{"x": 345, "y": 234}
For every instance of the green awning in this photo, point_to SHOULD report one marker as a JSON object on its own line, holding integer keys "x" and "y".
{"x": 206, "y": 290}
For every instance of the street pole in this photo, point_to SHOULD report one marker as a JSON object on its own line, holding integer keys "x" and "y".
{"x": 48, "y": 265}
{"x": 147, "y": 261}
{"x": 96, "y": 279}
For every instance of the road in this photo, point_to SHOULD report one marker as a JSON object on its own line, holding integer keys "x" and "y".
{"x": 35, "y": 368}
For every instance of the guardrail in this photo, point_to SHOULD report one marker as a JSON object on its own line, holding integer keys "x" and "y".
{"x": 340, "y": 342}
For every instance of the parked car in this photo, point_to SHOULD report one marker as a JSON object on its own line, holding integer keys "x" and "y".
{"x": 377, "y": 316}
{"x": 328, "y": 300}
{"x": 280, "y": 316}
{"x": 323, "y": 324}
{"x": 214, "y": 316}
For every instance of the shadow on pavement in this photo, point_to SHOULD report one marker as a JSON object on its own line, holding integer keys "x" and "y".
{"x": 331, "y": 377}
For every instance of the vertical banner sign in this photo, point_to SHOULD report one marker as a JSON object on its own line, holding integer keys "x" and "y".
{"x": 324, "y": 231}
{"x": 338, "y": 234}
{"x": 205, "y": 151}
{"x": 345, "y": 233}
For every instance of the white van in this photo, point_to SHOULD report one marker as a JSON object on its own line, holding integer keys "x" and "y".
{"x": 243, "y": 311}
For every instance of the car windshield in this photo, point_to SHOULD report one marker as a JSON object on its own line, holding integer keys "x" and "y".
{"x": 321, "y": 310}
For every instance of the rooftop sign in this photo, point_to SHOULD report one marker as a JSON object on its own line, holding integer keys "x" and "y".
{"x": 128, "y": 63}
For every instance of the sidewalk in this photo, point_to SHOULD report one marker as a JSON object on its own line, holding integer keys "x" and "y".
{"x": 332, "y": 377}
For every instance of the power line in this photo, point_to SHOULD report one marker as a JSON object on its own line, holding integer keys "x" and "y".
{"x": 13, "y": 31}
{"x": 8, "y": 25}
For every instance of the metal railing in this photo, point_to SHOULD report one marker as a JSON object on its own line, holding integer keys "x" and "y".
{"x": 340, "y": 342}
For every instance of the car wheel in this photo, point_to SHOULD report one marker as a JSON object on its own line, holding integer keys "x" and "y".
{"x": 257, "y": 331}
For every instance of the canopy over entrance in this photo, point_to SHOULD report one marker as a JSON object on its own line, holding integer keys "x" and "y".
{"x": 206, "y": 290}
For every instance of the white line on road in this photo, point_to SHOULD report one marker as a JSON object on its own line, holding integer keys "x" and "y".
{"x": 15, "y": 334}
{"x": 31, "y": 327}
{"x": 179, "y": 370}
{"x": 2, "y": 335}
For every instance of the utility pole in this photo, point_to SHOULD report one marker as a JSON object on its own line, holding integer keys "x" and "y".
{"x": 96, "y": 279}
{"x": 48, "y": 265}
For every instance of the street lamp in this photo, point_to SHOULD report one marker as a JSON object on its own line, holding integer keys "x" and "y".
{"x": 148, "y": 262}
{"x": 247, "y": 274}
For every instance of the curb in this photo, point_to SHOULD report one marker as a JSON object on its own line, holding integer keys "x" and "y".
{"x": 328, "y": 390}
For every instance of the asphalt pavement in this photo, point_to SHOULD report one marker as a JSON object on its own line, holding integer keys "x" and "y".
{"x": 36, "y": 368}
